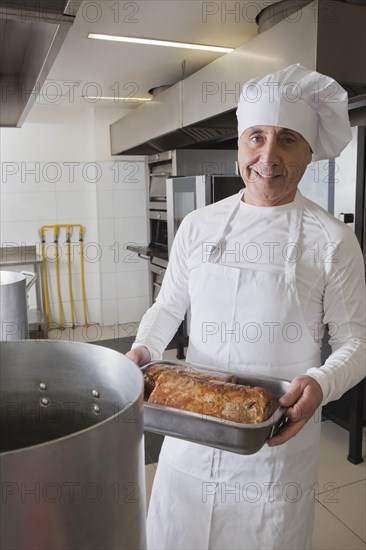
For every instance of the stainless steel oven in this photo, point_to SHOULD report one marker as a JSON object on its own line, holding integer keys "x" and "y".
{"x": 161, "y": 167}
{"x": 157, "y": 270}
{"x": 158, "y": 229}
{"x": 158, "y": 250}
{"x": 185, "y": 162}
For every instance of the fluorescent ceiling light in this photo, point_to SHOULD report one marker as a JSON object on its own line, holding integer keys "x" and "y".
{"x": 152, "y": 42}
{"x": 92, "y": 97}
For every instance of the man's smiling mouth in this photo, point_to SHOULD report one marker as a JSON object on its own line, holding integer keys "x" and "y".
{"x": 266, "y": 176}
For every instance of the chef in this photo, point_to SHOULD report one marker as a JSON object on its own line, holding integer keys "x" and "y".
{"x": 262, "y": 272}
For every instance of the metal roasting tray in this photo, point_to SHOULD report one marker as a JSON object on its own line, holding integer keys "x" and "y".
{"x": 244, "y": 439}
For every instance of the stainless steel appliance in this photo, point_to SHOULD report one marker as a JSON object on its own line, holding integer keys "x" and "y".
{"x": 189, "y": 193}
{"x": 158, "y": 268}
{"x": 72, "y": 453}
{"x": 36, "y": 31}
{"x": 161, "y": 167}
{"x": 158, "y": 229}
{"x": 185, "y": 162}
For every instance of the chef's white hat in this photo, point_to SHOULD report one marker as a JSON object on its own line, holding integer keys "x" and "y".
{"x": 312, "y": 104}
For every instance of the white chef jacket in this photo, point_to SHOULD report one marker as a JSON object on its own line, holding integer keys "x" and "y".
{"x": 329, "y": 277}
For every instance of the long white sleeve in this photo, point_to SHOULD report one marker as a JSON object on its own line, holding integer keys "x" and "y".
{"x": 344, "y": 312}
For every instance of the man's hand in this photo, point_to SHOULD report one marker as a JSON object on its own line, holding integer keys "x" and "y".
{"x": 302, "y": 399}
{"x": 139, "y": 355}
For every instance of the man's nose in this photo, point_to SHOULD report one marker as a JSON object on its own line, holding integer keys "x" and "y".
{"x": 270, "y": 153}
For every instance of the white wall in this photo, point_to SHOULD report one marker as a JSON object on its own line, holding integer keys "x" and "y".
{"x": 51, "y": 132}
{"x": 315, "y": 182}
{"x": 122, "y": 215}
{"x": 57, "y": 169}
{"x": 103, "y": 117}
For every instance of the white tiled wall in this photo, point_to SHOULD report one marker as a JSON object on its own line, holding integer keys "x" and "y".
{"x": 314, "y": 184}
{"x": 49, "y": 175}
{"x": 29, "y": 200}
{"x": 112, "y": 214}
{"x": 122, "y": 218}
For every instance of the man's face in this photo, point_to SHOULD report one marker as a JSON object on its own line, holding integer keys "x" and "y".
{"x": 272, "y": 161}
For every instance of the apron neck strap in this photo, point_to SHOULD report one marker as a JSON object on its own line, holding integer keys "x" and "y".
{"x": 293, "y": 252}
{"x": 221, "y": 233}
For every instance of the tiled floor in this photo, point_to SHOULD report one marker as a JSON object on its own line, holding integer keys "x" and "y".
{"x": 340, "y": 510}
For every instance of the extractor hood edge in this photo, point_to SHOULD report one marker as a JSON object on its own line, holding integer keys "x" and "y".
{"x": 20, "y": 90}
{"x": 187, "y": 108}
{"x": 161, "y": 116}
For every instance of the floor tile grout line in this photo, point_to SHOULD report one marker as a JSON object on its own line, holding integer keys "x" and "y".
{"x": 340, "y": 521}
{"x": 341, "y": 486}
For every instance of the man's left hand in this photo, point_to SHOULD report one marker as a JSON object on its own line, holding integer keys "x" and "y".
{"x": 302, "y": 399}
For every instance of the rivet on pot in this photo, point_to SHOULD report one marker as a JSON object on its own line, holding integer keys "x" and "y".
{"x": 42, "y": 386}
{"x": 95, "y": 393}
{"x": 44, "y": 401}
{"x": 96, "y": 409}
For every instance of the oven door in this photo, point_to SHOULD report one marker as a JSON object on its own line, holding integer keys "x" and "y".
{"x": 157, "y": 276}
{"x": 157, "y": 192}
{"x": 158, "y": 229}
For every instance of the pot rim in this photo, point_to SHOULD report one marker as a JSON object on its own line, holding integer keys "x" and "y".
{"x": 15, "y": 276}
{"x": 112, "y": 418}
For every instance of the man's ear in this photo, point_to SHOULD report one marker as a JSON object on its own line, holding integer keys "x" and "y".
{"x": 310, "y": 154}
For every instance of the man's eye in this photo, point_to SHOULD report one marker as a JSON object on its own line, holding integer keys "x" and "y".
{"x": 255, "y": 139}
{"x": 289, "y": 139}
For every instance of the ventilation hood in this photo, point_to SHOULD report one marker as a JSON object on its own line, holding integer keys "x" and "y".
{"x": 200, "y": 110}
{"x": 32, "y": 34}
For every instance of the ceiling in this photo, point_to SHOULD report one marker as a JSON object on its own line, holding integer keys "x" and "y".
{"x": 93, "y": 67}
{"x": 79, "y": 66}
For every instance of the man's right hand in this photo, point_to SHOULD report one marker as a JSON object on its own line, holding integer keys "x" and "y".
{"x": 139, "y": 355}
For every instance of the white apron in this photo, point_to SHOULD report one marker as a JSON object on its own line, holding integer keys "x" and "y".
{"x": 203, "y": 498}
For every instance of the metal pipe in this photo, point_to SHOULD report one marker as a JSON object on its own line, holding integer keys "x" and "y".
{"x": 57, "y": 263}
{"x": 68, "y": 250}
{"x": 81, "y": 248}
{"x": 44, "y": 267}
{"x": 56, "y": 228}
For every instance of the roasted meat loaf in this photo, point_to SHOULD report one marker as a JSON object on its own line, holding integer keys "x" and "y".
{"x": 243, "y": 404}
{"x": 152, "y": 373}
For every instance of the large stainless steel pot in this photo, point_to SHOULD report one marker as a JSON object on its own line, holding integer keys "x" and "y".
{"x": 72, "y": 457}
{"x": 13, "y": 304}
